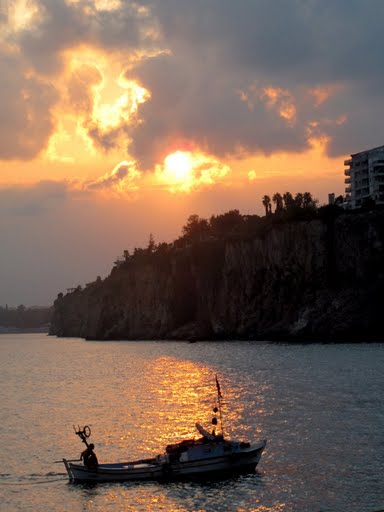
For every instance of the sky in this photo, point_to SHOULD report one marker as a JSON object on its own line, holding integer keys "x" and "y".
{"x": 119, "y": 119}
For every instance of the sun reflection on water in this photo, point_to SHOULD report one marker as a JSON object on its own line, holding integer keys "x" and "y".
{"x": 186, "y": 393}
{"x": 138, "y": 397}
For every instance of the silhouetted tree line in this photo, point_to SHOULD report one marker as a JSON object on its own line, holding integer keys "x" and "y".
{"x": 23, "y": 317}
{"x": 279, "y": 209}
{"x": 289, "y": 203}
{"x": 230, "y": 225}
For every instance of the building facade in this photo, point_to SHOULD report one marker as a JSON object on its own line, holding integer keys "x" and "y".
{"x": 364, "y": 177}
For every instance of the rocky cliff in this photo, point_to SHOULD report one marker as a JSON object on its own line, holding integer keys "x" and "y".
{"x": 309, "y": 280}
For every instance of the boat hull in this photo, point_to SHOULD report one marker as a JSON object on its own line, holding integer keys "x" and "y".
{"x": 210, "y": 467}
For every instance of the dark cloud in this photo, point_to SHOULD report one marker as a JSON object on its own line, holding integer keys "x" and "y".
{"x": 118, "y": 175}
{"x": 79, "y": 90}
{"x": 209, "y": 90}
{"x": 221, "y": 47}
{"x": 31, "y": 56}
{"x": 207, "y": 110}
{"x": 63, "y": 26}
{"x": 25, "y": 105}
{"x": 26, "y": 200}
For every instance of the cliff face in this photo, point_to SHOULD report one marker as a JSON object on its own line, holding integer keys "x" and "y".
{"x": 312, "y": 280}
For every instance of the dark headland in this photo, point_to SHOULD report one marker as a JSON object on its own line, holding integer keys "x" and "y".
{"x": 22, "y": 319}
{"x": 306, "y": 274}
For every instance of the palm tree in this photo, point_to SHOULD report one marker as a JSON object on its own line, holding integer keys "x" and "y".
{"x": 288, "y": 200}
{"x": 278, "y": 200}
{"x": 267, "y": 204}
{"x": 308, "y": 200}
{"x": 299, "y": 200}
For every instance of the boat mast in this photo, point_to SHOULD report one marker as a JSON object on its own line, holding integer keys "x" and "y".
{"x": 219, "y": 398}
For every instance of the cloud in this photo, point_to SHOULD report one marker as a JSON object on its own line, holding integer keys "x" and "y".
{"x": 64, "y": 25}
{"x": 217, "y": 50}
{"x": 25, "y": 105}
{"x": 185, "y": 171}
{"x": 37, "y": 39}
{"x": 43, "y": 196}
{"x": 81, "y": 83}
{"x": 123, "y": 178}
{"x": 229, "y": 80}
{"x": 34, "y": 199}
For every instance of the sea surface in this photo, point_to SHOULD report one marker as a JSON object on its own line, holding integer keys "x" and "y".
{"x": 321, "y": 407}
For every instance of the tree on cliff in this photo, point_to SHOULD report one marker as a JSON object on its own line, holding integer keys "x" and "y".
{"x": 299, "y": 200}
{"x": 267, "y": 204}
{"x": 289, "y": 201}
{"x": 309, "y": 201}
{"x": 226, "y": 224}
{"x": 196, "y": 229}
{"x": 278, "y": 200}
{"x": 151, "y": 243}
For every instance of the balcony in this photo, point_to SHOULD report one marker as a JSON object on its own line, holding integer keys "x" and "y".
{"x": 348, "y": 190}
{"x": 348, "y": 180}
{"x": 348, "y": 162}
{"x": 347, "y": 172}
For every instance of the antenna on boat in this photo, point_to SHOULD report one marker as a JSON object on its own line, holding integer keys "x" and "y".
{"x": 219, "y": 398}
{"x": 83, "y": 433}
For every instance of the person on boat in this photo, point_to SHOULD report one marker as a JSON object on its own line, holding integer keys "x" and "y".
{"x": 89, "y": 458}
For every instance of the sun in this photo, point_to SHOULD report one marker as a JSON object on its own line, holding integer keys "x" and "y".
{"x": 185, "y": 171}
{"x": 178, "y": 166}
{"x": 178, "y": 170}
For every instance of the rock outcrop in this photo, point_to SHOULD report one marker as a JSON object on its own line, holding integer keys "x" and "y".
{"x": 314, "y": 280}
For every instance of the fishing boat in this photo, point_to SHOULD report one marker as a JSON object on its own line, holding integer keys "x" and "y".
{"x": 210, "y": 456}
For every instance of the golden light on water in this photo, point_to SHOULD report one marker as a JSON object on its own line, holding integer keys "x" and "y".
{"x": 186, "y": 394}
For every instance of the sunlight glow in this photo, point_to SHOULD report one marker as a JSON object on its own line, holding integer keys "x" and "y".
{"x": 111, "y": 115}
{"x": 122, "y": 179}
{"x": 22, "y": 13}
{"x": 183, "y": 171}
{"x": 115, "y": 99}
{"x": 178, "y": 168}
{"x": 97, "y": 103}
{"x": 323, "y": 93}
{"x": 278, "y": 99}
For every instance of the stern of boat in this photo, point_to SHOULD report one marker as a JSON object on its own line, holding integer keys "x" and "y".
{"x": 69, "y": 471}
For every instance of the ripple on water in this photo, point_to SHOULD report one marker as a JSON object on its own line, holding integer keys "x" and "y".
{"x": 320, "y": 407}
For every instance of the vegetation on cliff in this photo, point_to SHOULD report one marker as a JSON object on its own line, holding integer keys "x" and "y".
{"x": 300, "y": 273}
{"x": 23, "y": 317}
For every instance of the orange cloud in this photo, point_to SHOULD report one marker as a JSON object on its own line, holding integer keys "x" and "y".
{"x": 96, "y": 106}
{"x": 122, "y": 179}
{"x": 281, "y": 100}
{"x": 275, "y": 98}
{"x": 22, "y": 14}
{"x": 322, "y": 94}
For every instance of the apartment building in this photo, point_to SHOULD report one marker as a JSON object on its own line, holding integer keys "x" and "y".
{"x": 364, "y": 177}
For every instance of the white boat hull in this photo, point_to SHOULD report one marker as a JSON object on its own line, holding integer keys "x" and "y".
{"x": 212, "y": 463}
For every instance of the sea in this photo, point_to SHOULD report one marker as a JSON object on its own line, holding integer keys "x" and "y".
{"x": 320, "y": 407}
